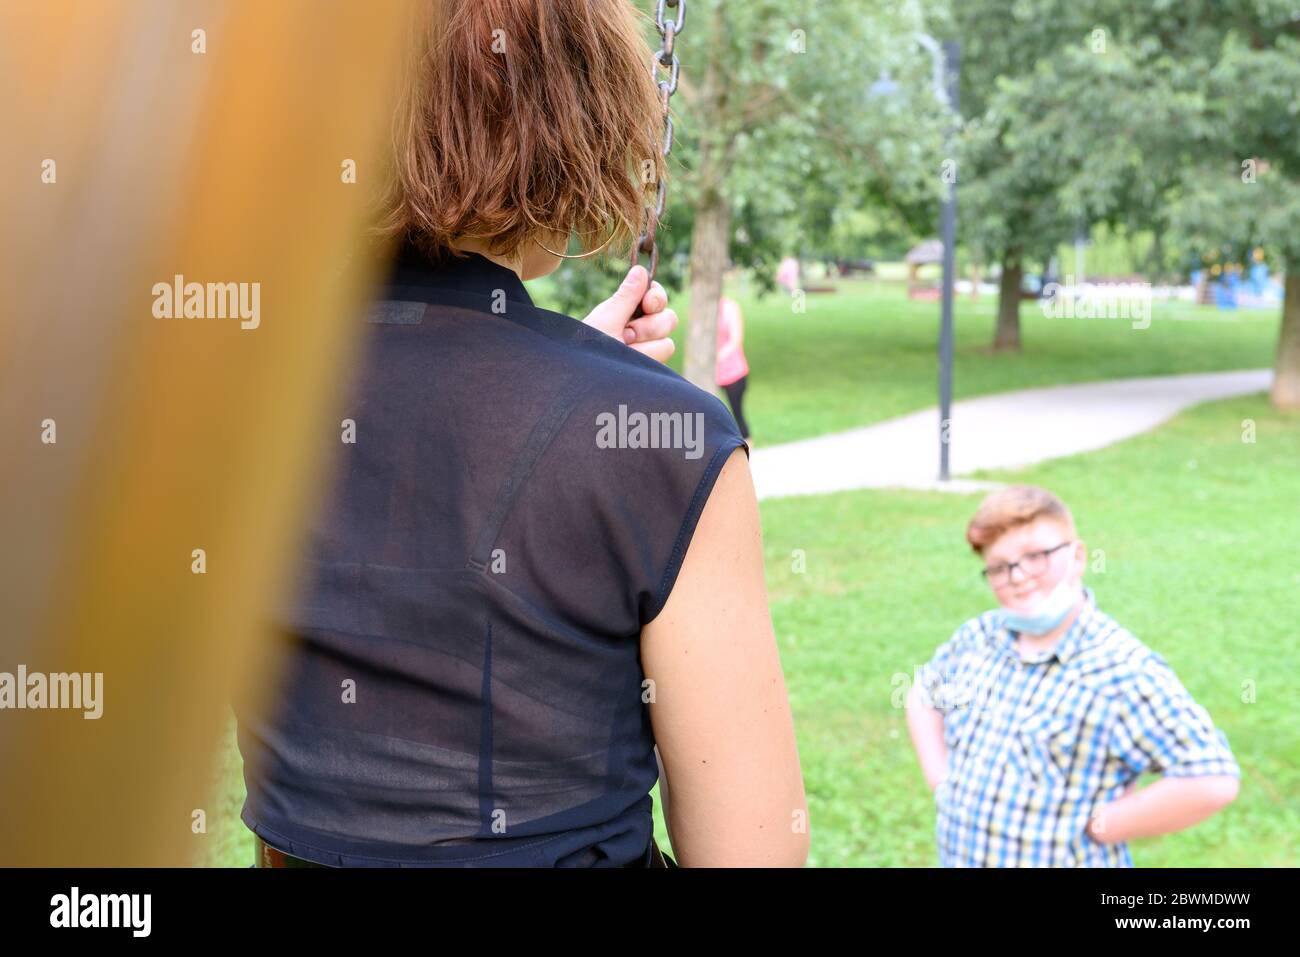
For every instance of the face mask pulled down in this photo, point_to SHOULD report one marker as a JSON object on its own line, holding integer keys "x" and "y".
{"x": 1047, "y": 614}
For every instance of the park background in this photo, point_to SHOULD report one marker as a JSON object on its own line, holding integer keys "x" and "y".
{"x": 1156, "y": 143}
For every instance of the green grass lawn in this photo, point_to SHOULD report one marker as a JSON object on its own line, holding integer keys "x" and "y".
{"x": 1200, "y": 537}
{"x": 866, "y": 353}
{"x": 1198, "y": 532}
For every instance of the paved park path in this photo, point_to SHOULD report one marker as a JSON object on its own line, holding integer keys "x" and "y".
{"x": 1006, "y": 430}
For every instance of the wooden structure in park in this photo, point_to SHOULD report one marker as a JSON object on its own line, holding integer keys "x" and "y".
{"x": 927, "y": 253}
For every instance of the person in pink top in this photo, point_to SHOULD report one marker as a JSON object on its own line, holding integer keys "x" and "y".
{"x": 787, "y": 274}
{"x": 732, "y": 371}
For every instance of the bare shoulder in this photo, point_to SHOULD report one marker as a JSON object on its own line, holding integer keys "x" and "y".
{"x": 736, "y": 505}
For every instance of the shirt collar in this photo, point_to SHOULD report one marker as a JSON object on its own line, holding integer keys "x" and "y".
{"x": 1067, "y": 646}
{"x": 414, "y": 273}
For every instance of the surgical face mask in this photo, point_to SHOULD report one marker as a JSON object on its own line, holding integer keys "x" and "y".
{"x": 1048, "y": 613}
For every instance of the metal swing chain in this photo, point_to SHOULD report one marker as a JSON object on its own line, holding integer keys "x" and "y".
{"x": 666, "y": 58}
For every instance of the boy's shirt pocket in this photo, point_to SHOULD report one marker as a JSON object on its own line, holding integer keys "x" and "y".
{"x": 1045, "y": 751}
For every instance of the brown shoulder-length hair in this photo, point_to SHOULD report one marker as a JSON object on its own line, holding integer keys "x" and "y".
{"x": 522, "y": 118}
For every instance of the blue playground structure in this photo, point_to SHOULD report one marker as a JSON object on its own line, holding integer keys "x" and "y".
{"x": 1231, "y": 290}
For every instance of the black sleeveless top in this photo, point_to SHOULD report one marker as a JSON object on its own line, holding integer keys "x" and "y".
{"x": 512, "y": 497}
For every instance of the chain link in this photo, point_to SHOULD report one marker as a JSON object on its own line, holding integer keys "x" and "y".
{"x": 667, "y": 59}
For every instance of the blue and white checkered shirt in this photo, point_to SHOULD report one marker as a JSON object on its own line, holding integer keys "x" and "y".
{"x": 1035, "y": 746}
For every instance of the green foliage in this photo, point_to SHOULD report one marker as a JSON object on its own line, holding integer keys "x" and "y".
{"x": 1245, "y": 192}
{"x": 798, "y": 144}
{"x": 1009, "y": 151}
{"x": 1200, "y": 535}
{"x": 1138, "y": 115}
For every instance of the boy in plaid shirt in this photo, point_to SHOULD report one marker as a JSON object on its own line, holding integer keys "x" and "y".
{"x": 1034, "y": 720}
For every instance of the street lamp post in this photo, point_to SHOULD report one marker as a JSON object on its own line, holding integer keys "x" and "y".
{"x": 950, "y": 58}
{"x": 947, "y": 65}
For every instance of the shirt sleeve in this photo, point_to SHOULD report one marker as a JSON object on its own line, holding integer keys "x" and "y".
{"x": 693, "y": 482}
{"x": 936, "y": 675}
{"x": 1160, "y": 727}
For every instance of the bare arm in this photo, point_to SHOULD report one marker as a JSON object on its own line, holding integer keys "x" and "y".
{"x": 1170, "y": 804}
{"x": 925, "y": 724}
{"x": 663, "y": 793}
{"x": 720, "y": 713}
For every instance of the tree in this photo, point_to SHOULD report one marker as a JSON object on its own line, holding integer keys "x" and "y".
{"x": 1251, "y": 196}
{"x": 1009, "y": 165}
{"x": 1215, "y": 96}
{"x": 780, "y": 118}
{"x": 776, "y": 136}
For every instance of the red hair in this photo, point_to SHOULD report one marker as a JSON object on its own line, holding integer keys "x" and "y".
{"x": 1010, "y": 507}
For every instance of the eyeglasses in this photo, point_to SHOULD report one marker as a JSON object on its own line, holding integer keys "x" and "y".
{"x": 1031, "y": 564}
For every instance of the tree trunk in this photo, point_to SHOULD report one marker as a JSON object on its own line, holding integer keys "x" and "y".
{"x": 710, "y": 235}
{"x": 708, "y": 262}
{"x": 1007, "y": 336}
{"x": 1286, "y": 371}
{"x": 1156, "y": 258}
